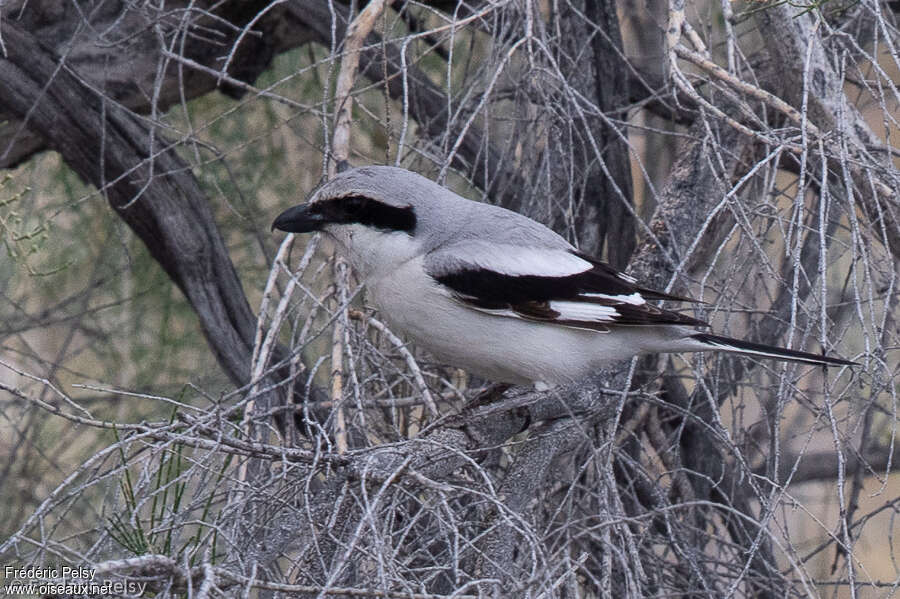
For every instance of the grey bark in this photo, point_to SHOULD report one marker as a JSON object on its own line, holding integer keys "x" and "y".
{"x": 614, "y": 192}
{"x": 169, "y": 213}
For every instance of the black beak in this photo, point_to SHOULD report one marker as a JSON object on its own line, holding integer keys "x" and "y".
{"x": 299, "y": 219}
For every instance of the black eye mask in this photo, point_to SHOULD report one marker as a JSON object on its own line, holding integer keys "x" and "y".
{"x": 347, "y": 210}
{"x": 368, "y": 212}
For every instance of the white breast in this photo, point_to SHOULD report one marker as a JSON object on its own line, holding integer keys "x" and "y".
{"x": 498, "y": 348}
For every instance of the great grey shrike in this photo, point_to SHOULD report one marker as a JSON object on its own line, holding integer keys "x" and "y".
{"x": 492, "y": 291}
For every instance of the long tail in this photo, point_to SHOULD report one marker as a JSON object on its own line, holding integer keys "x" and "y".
{"x": 766, "y": 351}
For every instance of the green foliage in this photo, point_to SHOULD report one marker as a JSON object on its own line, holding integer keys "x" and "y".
{"x": 22, "y": 238}
{"x": 152, "y": 521}
{"x": 128, "y": 533}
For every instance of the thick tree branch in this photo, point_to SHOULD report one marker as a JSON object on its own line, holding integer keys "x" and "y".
{"x": 131, "y": 74}
{"x": 145, "y": 182}
{"x": 611, "y": 81}
{"x": 823, "y": 465}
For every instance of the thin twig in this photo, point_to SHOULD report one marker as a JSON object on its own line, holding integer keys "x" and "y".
{"x": 407, "y": 355}
{"x": 357, "y": 32}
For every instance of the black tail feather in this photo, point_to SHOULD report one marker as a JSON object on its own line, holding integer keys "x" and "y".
{"x": 767, "y": 351}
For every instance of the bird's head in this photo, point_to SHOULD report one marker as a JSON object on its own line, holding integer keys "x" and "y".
{"x": 370, "y": 211}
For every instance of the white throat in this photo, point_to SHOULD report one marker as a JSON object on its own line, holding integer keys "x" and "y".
{"x": 374, "y": 253}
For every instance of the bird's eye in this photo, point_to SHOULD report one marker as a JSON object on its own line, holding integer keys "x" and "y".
{"x": 354, "y": 204}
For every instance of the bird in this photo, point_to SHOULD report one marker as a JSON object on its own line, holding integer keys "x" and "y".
{"x": 492, "y": 291}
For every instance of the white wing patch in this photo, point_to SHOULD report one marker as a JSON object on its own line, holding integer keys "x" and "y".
{"x": 635, "y": 299}
{"x": 514, "y": 260}
{"x": 569, "y": 312}
{"x": 583, "y": 311}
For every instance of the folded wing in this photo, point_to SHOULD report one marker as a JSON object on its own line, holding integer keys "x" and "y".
{"x": 548, "y": 285}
